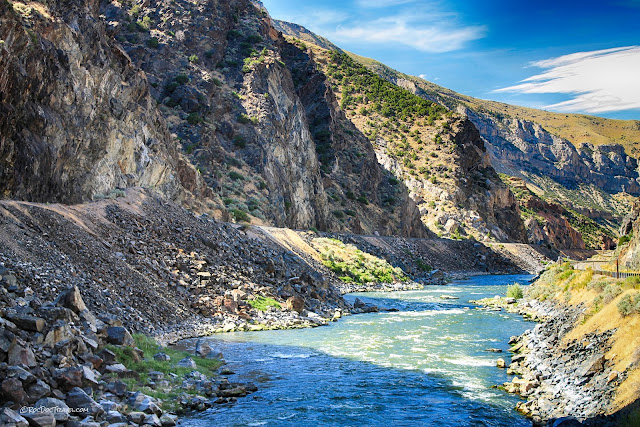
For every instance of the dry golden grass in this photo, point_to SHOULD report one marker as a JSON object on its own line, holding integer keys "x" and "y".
{"x": 625, "y": 349}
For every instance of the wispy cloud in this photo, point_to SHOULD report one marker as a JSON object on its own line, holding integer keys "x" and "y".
{"x": 317, "y": 18}
{"x": 598, "y": 81}
{"x": 428, "y": 32}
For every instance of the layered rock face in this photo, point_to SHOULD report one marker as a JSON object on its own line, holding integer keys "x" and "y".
{"x": 224, "y": 84}
{"x": 77, "y": 120}
{"x": 630, "y": 254}
{"x": 519, "y": 145}
{"x": 349, "y": 161}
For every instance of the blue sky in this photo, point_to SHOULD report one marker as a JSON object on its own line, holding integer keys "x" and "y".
{"x": 569, "y": 56}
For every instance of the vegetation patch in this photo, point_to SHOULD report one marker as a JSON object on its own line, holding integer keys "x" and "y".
{"x": 355, "y": 266}
{"x": 515, "y": 291}
{"x": 131, "y": 359}
{"x": 263, "y": 303}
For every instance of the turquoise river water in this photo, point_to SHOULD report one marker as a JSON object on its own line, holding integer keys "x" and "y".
{"x": 423, "y": 365}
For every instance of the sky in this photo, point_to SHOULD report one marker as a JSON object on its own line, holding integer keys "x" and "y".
{"x": 564, "y": 56}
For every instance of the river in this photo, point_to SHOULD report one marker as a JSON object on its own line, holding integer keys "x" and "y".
{"x": 425, "y": 364}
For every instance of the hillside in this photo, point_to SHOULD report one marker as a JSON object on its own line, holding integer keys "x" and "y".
{"x": 586, "y": 163}
{"x": 576, "y": 128}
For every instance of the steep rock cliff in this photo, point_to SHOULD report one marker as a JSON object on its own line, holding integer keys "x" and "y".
{"x": 224, "y": 83}
{"x": 521, "y": 145}
{"x": 360, "y": 193}
{"x": 76, "y": 117}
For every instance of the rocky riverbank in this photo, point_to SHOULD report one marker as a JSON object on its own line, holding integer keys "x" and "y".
{"x": 61, "y": 364}
{"x": 561, "y": 379}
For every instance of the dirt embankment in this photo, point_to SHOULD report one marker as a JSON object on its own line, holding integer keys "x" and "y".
{"x": 158, "y": 266}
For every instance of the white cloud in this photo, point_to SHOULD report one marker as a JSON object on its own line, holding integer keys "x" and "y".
{"x": 429, "y": 79}
{"x": 598, "y": 81}
{"x": 423, "y": 32}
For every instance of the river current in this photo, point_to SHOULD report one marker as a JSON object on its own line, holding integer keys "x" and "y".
{"x": 426, "y": 364}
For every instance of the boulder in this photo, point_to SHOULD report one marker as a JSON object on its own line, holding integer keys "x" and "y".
{"x": 591, "y": 365}
{"x": 118, "y": 335}
{"x": 39, "y": 418}
{"x": 500, "y": 363}
{"x": 6, "y": 339}
{"x": 152, "y": 420}
{"x": 187, "y": 362}
{"x": 58, "y": 408}
{"x": 82, "y": 403}
{"x": 71, "y": 299}
{"x": 168, "y": 420}
{"x": 21, "y": 355}
{"x": 57, "y": 334}
{"x": 26, "y": 322}
{"x": 161, "y": 357}
{"x": 11, "y": 390}
{"x": 115, "y": 417}
{"x": 68, "y": 378}
{"x": 118, "y": 388}
{"x": 25, "y": 377}
{"x": 38, "y": 390}
{"x": 9, "y": 417}
{"x": 295, "y": 303}
{"x": 117, "y": 368}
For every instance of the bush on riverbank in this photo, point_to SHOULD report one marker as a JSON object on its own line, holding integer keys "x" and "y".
{"x": 515, "y": 291}
{"x": 629, "y": 305}
{"x": 355, "y": 266}
{"x": 143, "y": 366}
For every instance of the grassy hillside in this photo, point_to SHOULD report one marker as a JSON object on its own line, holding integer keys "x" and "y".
{"x": 577, "y": 128}
{"x": 413, "y": 137}
{"x": 610, "y": 304}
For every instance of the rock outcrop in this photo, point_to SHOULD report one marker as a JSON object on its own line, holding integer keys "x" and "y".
{"x": 517, "y": 146}
{"x": 76, "y": 120}
{"x": 59, "y": 365}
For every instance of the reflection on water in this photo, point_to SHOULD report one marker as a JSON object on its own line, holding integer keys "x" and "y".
{"x": 425, "y": 364}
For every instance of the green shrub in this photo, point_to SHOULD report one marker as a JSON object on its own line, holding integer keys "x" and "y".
{"x": 245, "y": 119}
{"x": 625, "y": 305}
{"x": 263, "y": 303}
{"x": 172, "y": 86}
{"x": 353, "y": 265}
{"x": 194, "y": 119}
{"x": 153, "y": 42}
{"x": 239, "y": 141}
{"x": 629, "y": 305}
{"x": 611, "y": 292}
{"x": 236, "y": 176}
{"x": 240, "y": 215}
{"x": 515, "y": 291}
{"x": 182, "y": 79}
{"x": 597, "y": 286}
{"x": 193, "y": 58}
{"x": 625, "y": 239}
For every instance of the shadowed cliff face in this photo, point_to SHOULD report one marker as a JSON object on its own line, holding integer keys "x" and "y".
{"x": 77, "y": 120}
{"x": 348, "y": 160}
{"x": 521, "y": 145}
{"x": 224, "y": 85}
